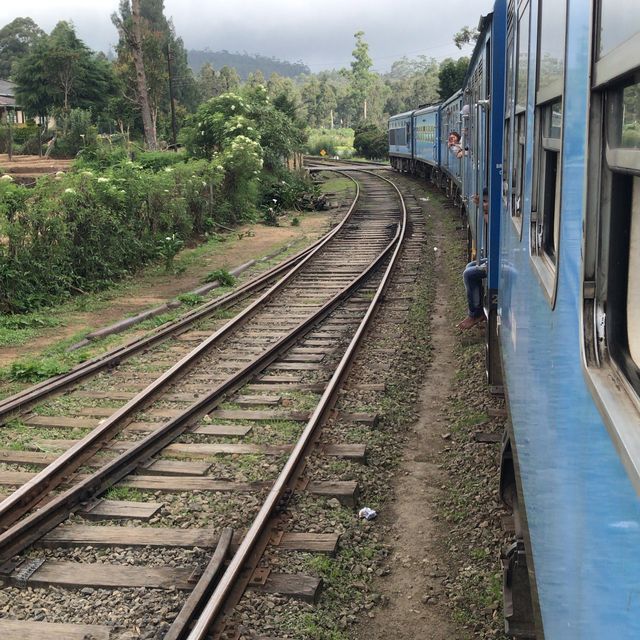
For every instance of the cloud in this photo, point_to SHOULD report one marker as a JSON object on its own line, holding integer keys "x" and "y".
{"x": 319, "y": 34}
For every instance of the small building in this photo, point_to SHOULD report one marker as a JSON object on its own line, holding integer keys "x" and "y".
{"x": 8, "y": 107}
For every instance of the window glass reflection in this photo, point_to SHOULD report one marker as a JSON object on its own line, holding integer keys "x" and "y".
{"x": 619, "y": 20}
{"x": 630, "y": 134}
{"x": 552, "y": 31}
{"x": 523, "y": 60}
{"x": 553, "y": 120}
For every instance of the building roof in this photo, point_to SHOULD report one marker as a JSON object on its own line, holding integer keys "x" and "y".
{"x": 7, "y": 89}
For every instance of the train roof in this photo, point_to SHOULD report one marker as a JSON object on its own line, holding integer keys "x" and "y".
{"x": 406, "y": 114}
{"x": 427, "y": 109}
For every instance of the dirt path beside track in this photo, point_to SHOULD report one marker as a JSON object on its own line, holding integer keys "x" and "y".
{"x": 442, "y": 578}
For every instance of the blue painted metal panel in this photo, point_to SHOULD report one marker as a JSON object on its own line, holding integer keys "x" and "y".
{"x": 498, "y": 51}
{"x": 425, "y": 127}
{"x": 582, "y": 510}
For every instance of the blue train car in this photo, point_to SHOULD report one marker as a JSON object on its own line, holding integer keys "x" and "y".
{"x": 568, "y": 312}
{"x": 550, "y": 117}
{"x": 425, "y": 127}
{"x": 401, "y": 141}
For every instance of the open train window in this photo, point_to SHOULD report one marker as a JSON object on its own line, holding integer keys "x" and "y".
{"x": 519, "y": 136}
{"x": 611, "y": 287}
{"x": 508, "y": 111}
{"x": 545, "y": 210}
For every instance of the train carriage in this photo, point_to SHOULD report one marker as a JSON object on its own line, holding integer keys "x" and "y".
{"x": 401, "y": 141}
{"x": 427, "y": 149}
{"x": 550, "y": 116}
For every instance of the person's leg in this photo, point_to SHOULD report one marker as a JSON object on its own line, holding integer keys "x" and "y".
{"x": 472, "y": 277}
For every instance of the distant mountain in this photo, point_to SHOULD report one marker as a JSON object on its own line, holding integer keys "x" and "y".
{"x": 245, "y": 63}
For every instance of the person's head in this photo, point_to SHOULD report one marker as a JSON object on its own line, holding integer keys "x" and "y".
{"x": 454, "y": 137}
{"x": 485, "y": 202}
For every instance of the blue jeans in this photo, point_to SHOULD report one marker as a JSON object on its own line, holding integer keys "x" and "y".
{"x": 473, "y": 276}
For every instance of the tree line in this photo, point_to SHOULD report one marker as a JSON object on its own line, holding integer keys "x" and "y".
{"x": 149, "y": 90}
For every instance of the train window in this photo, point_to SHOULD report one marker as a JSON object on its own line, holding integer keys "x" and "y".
{"x": 619, "y": 21}
{"x": 506, "y": 165}
{"x": 611, "y": 249}
{"x": 510, "y": 66}
{"x": 545, "y": 213}
{"x": 518, "y": 170}
{"x": 633, "y": 280}
{"x": 551, "y": 48}
{"x": 622, "y": 156}
{"x": 523, "y": 60}
{"x": 627, "y": 130}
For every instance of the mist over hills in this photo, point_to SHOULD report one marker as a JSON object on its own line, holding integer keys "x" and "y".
{"x": 245, "y": 63}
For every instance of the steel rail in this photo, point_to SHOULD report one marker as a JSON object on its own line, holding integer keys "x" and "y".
{"x": 38, "y": 523}
{"x": 29, "y": 494}
{"x": 215, "y": 604}
{"x": 34, "y": 393}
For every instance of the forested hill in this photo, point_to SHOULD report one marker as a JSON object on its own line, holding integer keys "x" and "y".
{"x": 245, "y": 63}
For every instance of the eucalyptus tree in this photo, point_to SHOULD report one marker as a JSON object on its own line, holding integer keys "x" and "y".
{"x": 16, "y": 40}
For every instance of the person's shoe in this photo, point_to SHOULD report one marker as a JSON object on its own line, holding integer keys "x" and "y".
{"x": 469, "y": 322}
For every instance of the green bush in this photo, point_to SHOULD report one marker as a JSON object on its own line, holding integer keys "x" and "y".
{"x": 289, "y": 190}
{"x": 78, "y": 134}
{"x": 82, "y": 231}
{"x": 332, "y": 141}
{"x": 222, "y": 276}
{"x": 25, "y": 132}
{"x": 158, "y": 160}
{"x": 371, "y": 142}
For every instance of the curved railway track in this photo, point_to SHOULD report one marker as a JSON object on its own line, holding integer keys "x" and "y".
{"x": 222, "y": 410}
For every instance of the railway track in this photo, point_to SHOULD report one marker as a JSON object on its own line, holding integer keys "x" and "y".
{"x": 215, "y": 416}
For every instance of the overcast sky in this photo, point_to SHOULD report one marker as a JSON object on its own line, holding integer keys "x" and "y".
{"x": 319, "y": 33}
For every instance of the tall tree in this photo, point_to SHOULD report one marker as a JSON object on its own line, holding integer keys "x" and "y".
{"x": 158, "y": 49}
{"x": 451, "y": 76}
{"x": 465, "y": 36}
{"x": 61, "y": 73}
{"x": 129, "y": 25}
{"x": 361, "y": 77}
{"x": 16, "y": 40}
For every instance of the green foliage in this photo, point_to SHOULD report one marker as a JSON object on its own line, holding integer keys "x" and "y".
{"x": 295, "y": 222}
{"x": 168, "y": 248}
{"x": 61, "y": 72}
{"x": 17, "y": 329}
{"x": 158, "y": 160}
{"x": 451, "y": 76}
{"x": 81, "y": 232}
{"x": 216, "y": 123}
{"x": 80, "y": 134}
{"x": 16, "y": 40}
{"x": 465, "y": 36}
{"x": 284, "y": 191}
{"x": 371, "y": 142}
{"x": 412, "y": 83}
{"x": 333, "y": 141}
{"x": 36, "y": 369}
{"x": 190, "y": 299}
{"x": 158, "y": 36}
{"x": 222, "y": 276}
{"x": 270, "y": 217}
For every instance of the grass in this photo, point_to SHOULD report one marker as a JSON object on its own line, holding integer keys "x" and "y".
{"x": 19, "y": 329}
{"x": 126, "y": 493}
